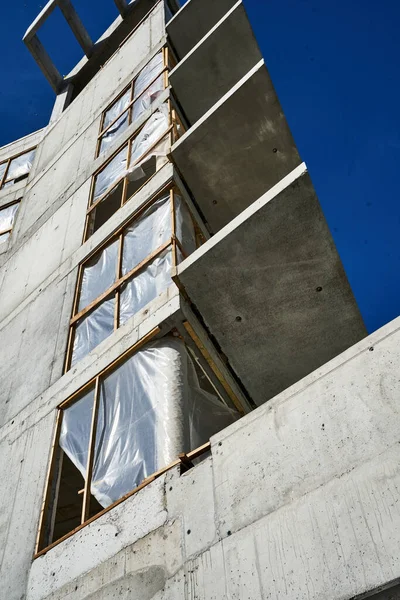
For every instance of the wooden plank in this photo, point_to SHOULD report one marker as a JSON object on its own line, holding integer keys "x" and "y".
{"x": 49, "y": 476}
{"x": 91, "y": 453}
{"x": 214, "y": 367}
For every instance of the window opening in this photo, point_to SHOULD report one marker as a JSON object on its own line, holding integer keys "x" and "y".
{"x": 16, "y": 168}
{"x": 130, "y": 167}
{"x": 7, "y": 218}
{"x": 124, "y": 428}
{"x": 136, "y": 98}
{"x": 131, "y": 270}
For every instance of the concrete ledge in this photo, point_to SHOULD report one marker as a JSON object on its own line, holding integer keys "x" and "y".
{"x": 216, "y": 64}
{"x": 193, "y": 21}
{"x": 272, "y": 279}
{"x": 239, "y": 149}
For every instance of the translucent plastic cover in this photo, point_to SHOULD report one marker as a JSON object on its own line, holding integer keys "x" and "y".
{"x": 92, "y": 329}
{"x": 21, "y": 165}
{"x": 7, "y": 216}
{"x": 114, "y": 131}
{"x": 151, "y": 408}
{"x": 3, "y": 168}
{"x": 115, "y": 169}
{"x": 149, "y": 134}
{"x": 145, "y": 235}
{"x": 149, "y": 95}
{"x": 99, "y": 273}
{"x": 117, "y": 108}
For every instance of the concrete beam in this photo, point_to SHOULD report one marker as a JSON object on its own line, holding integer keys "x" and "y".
{"x": 239, "y": 149}
{"x": 192, "y": 22}
{"x": 208, "y": 72}
{"x": 77, "y": 27}
{"x": 122, "y": 6}
{"x": 45, "y": 63}
{"x": 272, "y": 280}
{"x": 38, "y": 51}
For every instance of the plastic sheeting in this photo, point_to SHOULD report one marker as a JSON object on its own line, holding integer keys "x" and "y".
{"x": 141, "y": 238}
{"x": 151, "y": 408}
{"x": 147, "y": 136}
{"x": 92, "y": 329}
{"x": 144, "y": 287}
{"x": 7, "y": 216}
{"x": 98, "y": 274}
{"x": 117, "y": 108}
{"x": 3, "y": 168}
{"x": 4, "y": 237}
{"x": 149, "y": 95}
{"x": 115, "y": 169}
{"x": 114, "y": 132}
{"x": 21, "y": 165}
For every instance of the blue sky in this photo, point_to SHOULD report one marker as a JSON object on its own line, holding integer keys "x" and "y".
{"x": 335, "y": 66}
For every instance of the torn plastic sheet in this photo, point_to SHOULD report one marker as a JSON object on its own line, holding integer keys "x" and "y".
{"x": 114, "y": 132}
{"x": 151, "y": 408}
{"x": 159, "y": 153}
{"x": 109, "y": 175}
{"x": 117, "y": 108}
{"x": 21, "y": 165}
{"x": 99, "y": 273}
{"x": 150, "y": 133}
{"x": 148, "y": 73}
{"x": 7, "y": 216}
{"x": 92, "y": 329}
{"x": 144, "y": 287}
{"x": 149, "y": 95}
{"x": 147, "y": 98}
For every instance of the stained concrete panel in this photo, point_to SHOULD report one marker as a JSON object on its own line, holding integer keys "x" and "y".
{"x": 209, "y": 71}
{"x": 272, "y": 289}
{"x": 238, "y": 150}
{"x": 193, "y": 21}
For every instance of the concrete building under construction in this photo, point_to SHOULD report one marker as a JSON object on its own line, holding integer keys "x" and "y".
{"x": 190, "y": 407}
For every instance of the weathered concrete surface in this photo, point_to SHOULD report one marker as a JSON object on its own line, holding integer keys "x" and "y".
{"x": 298, "y": 500}
{"x": 257, "y": 286}
{"x": 193, "y": 21}
{"x": 209, "y": 70}
{"x": 238, "y": 150}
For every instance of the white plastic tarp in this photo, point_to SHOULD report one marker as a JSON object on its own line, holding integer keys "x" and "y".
{"x": 117, "y": 108}
{"x": 141, "y": 238}
{"x": 4, "y": 237}
{"x": 99, "y": 273}
{"x": 92, "y": 329}
{"x": 7, "y": 216}
{"x": 151, "y": 408}
{"x": 21, "y": 165}
{"x": 156, "y": 125}
{"x": 114, "y": 131}
{"x": 115, "y": 169}
{"x": 145, "y": 77}
{"x": 147, "y": 136}
{"x": 144, "y": 287}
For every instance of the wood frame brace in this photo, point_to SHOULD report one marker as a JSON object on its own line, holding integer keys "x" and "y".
{"x": 173, "y": 242}
{"x": 38, "y": 51}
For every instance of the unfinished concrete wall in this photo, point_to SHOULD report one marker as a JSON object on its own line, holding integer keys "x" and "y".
{"x": 298, "y": 500}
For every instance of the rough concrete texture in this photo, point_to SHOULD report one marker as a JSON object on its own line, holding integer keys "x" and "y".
{"x": 238, "y": 150}
{"x": 193, "y": 21}
{"x": 272, "y": 279}
{"x": 208, "y": 72}
{"x": 298, "y": 500}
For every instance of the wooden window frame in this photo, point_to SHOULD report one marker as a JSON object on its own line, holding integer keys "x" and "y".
{"x": 168, "y": 63}
{"x": 9, "y": 230}
{"x": 175, "y": 122}
{"x": 3, "y": 179}
{"x": 173, "y": 242}
{"x": 184, "y": 460}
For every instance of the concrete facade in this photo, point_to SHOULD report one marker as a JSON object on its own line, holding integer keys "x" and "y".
{"x": 298, "y": 498}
